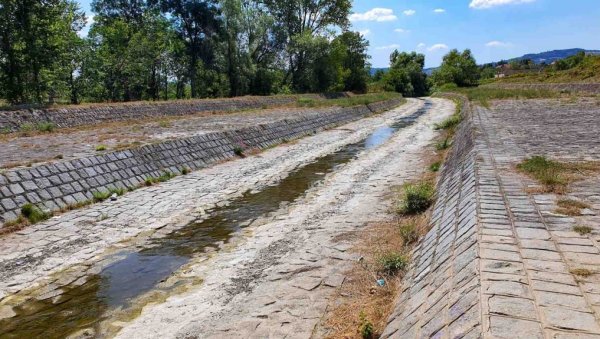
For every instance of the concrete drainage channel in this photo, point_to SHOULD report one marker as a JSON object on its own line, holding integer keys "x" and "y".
{"x": 85, "y": 303}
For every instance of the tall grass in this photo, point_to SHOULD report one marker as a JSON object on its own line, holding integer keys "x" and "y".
{"x": 483, "y": 94}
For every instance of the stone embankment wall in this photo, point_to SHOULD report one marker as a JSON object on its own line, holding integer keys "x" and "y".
{"x": 581, "y": 88}
{"x": 58, "y": 185}
{"x": 440, "y": 293}
{"x": 78, "y": 116}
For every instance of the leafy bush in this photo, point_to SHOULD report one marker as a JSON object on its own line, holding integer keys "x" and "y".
{"x": 417, "y": 198}
{"x": 392, "y": 263}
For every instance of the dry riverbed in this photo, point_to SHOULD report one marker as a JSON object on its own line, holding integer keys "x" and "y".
{"x": 272, "y": 273}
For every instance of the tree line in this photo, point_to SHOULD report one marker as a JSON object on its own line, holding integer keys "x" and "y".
{"x": 175, "y": 49}
{"x": 406, "y": 74}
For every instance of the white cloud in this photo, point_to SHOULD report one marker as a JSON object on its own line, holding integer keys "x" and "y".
{"x": 421, "y": 46}
{"x": 376, "y": 14}
{"x": 86, "y": 29}
{"x": 365, "y": 32}
{"x": 439, "y": 10}
{"x": 392, "y": 46}
{"x": 496, "y": 43}
{"x": 480, "y": 4}
{"x": 437, "y": 47}
{"x": 401, "y": 30}
{"x": 409, "y": 12}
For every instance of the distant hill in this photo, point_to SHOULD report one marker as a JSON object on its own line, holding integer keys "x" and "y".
{"x": 547, "y": 57}
{"x": 551, "y": 56}
{"x": 373, "y": 70}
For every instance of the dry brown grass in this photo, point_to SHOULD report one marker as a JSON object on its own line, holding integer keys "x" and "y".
{"x": 14, "y": 226}
{"x": 360, "y": 292}
{"x": 582, "y": 272}
{"x": 571, "y": 207}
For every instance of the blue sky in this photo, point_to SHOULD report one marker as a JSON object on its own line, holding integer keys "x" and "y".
{"x": 492, "y": 29}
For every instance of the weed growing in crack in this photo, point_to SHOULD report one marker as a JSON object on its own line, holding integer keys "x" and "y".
{"x": 582, "y": 230}
{"x": 117, "y": 190}
{"x": 435, "y": 166}
{"x": 416, "y": 198}
{"x": 449, "y": 123}
{"x": 34, "y": 214}
{"x": 185, "y": 170}
{"x": 45, "y": 127}
{"x": 239, "y": 151}
{"x": 100, "y": 148}
{"x": 582, "y": 272}
{"x": 571, "y": 207}
{"x": 393, "y": 263}
{"x": 547, "y": 172}
{"x": 409, "y": 233}
{"x": 165, "y": 176}
{"x": 366, "y": 327}
{"x": 101, "y": 195}
{"x": 444, "y": 144}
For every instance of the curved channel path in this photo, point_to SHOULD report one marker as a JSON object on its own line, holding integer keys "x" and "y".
{"x": 244, "y": 248}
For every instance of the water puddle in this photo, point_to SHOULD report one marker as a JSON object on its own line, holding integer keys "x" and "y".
{"x": 83, "y": 305}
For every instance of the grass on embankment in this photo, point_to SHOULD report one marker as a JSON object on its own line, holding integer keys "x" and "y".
{"x": 555, "y": 176}
{"x": 355, "y": 100}
{"x": 588, "y": 71}
{"x": 483, "y": 95}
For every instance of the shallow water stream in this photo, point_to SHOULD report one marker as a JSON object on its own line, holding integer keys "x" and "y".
{"x": 134, "y": 272}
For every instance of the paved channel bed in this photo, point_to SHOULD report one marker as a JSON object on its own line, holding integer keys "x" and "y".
{"x": 46, "y": 262}
{"x": 499, "y": 259}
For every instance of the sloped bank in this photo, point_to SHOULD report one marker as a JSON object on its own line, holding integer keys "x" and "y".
{"x": 11, "y": 121}
{"x": 58, "y": 185}
{"x": 440, "y": 293}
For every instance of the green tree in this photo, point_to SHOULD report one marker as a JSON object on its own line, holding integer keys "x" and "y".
{"x": 406, "y": 74}
{"x": 34, "y": 39}
{"x": 300, "y": 20}
{"x": 457, "y": 68}
{"x": 198, "y": 24}
{"x": 355, "y": 61}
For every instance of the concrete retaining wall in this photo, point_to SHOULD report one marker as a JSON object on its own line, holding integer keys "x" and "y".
{"x": 440, "y": 292}
{"x": 57, "y": 185}
{"x": 95, "y": 114}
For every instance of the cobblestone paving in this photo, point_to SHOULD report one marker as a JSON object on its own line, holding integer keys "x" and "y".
{"x": 278, "y": 284}
{"x": 28, "y": 257}
{"x": 516, "y": 281}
